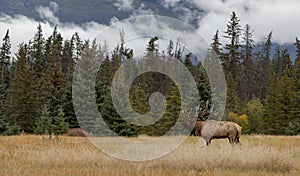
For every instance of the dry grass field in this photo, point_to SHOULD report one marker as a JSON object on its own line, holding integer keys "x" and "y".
{"x": 258, "y": 155}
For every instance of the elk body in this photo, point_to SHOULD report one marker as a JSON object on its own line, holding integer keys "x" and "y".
{"x": 212, "y": 129}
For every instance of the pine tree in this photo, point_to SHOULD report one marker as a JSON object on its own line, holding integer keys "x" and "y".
{"x": 3, "y": 125}
{"x": 83, "y": 90}
{"x": 248, "y": 77}
{"x": 232, "y": 101}
{"x": 37, "y": 52}
{"x": 173, "y": 101}
{"x": 54, "y": 81}
{"x": 286, "y": 60}
{"x": 43, "y": 123}
{"x": 4, "y": 71}
{"x": 231, "y": 59}
{"x": 287, "y": 89}
{"x": 5, "y": 59}
{"x": 68, "y": 63}
{"x": 296, "y": 78}
{"x": 78, "y": 46}
{"x": 276, "y": 64}
{"x": 119, "y": 120}
{"x": 293, "y": 127}
{"x": 188, "y": 62}
{"x": 272, "y": 108}
{"x": 296, "y": 70}
{"x": 170, "y": 49}
{"x": 67, "y": 58}
{"x": 280, "y": 104}
{"x": 139, "y": 100}
{"x": 267, "y": 47}
{"x": 216, "y": 44}
{"x": 104, "y": 78}
{"x": 22, "y": 103}
{"x": 203, "y": 84}
{"x": 56, "y": 90}
{"x": 263, "y": 66}
{"x": 60, "y": 126}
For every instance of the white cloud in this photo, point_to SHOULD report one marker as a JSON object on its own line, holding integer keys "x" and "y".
{"x": 141, "y": 11}
{"x": 124, "y": 5}
{"x": 278, "y": 16}
{"x": 53, "y": 7}
{"x": 22, "y": 29}
{"x": 138, "y": 31}
{"x": 169, "y": 3}
{"x": 48, "y": 13}
{"x": 263, "y": 16}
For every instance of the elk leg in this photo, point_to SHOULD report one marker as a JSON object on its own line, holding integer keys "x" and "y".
{"x": 231, "y": 140}
{"x": 237, "y": 141}
{"x": 207, "y": 141}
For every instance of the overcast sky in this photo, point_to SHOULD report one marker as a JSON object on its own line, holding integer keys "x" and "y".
{"x": 263, "y": 16}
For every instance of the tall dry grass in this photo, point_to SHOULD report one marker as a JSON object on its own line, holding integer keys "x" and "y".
{"x": 258, "y": 155}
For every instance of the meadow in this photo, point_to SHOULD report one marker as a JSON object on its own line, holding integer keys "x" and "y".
{"x": 258, "y": 155}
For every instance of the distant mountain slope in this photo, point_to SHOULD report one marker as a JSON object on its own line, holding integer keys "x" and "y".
{"x": 81, "y": 11}
{"x": 102, "y": 11}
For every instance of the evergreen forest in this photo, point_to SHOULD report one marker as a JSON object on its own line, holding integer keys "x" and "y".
{"x": 263, "y": 85}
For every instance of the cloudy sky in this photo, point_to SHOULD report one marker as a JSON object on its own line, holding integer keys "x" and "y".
{"x": 263, "y": 16}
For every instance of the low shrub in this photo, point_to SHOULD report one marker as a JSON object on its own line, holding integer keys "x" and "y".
{"x": 77, "y": 132}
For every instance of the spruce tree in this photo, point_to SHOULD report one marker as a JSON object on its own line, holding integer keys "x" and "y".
{"x": 83, "y": 90}
{"x": 37, "y": 52}
{"x": 263, "y": 66}
{"x": 248, "y": 76}
{"x": 54, "y": 81}
{"x": 59, "y": 125}
{"x": 173, "y": 101}
{"x": 296, "y": 75}
{"x": 22, "y": 103}
{"x": 280, "y": 104}
{"x": 296, "y": 69}
{"x": 231, "y": 59}
{"x": 293, "y": 127}
{"x": 5, "y": 60}
{"x": 4, "y": 71}
{"x": 170, "y": 49}
{"x": 43, "y": 122}
{"x": 3, "y": 124}
{"x": 289, "y": 106}
{"x": 188, "y": 63}
{"x": 272, "y": 108}
{"x": 68, "y": 64}
{"x": 216, "y": 44}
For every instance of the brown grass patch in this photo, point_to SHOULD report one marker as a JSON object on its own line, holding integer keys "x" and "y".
{"x": 258, "y": 155}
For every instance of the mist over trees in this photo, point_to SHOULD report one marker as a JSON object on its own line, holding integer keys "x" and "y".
{"x": 263, "y": 88}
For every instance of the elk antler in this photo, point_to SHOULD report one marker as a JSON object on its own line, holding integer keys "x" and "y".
{"x": 203, "y": 113}
{"x": 214, "y": 113}
{"x": 206, "y": 111}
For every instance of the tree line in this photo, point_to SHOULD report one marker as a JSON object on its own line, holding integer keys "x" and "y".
{"x": 36, "y": 84}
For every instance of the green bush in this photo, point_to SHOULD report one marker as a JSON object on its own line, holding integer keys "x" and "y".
{"x": 293, "y": 127}
{"x": 13, "y": 130}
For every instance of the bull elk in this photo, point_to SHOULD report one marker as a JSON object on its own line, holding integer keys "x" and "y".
{"x": 212, "y": 129}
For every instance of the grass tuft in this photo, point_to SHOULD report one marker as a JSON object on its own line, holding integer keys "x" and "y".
{"x": 258, "y": 155}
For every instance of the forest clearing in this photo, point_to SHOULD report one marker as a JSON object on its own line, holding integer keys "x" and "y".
{"x": 141, "y": 74}
{"x": 258, "y": 155}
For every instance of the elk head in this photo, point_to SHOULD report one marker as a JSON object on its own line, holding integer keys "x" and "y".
{"x": 190, "y": 120}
